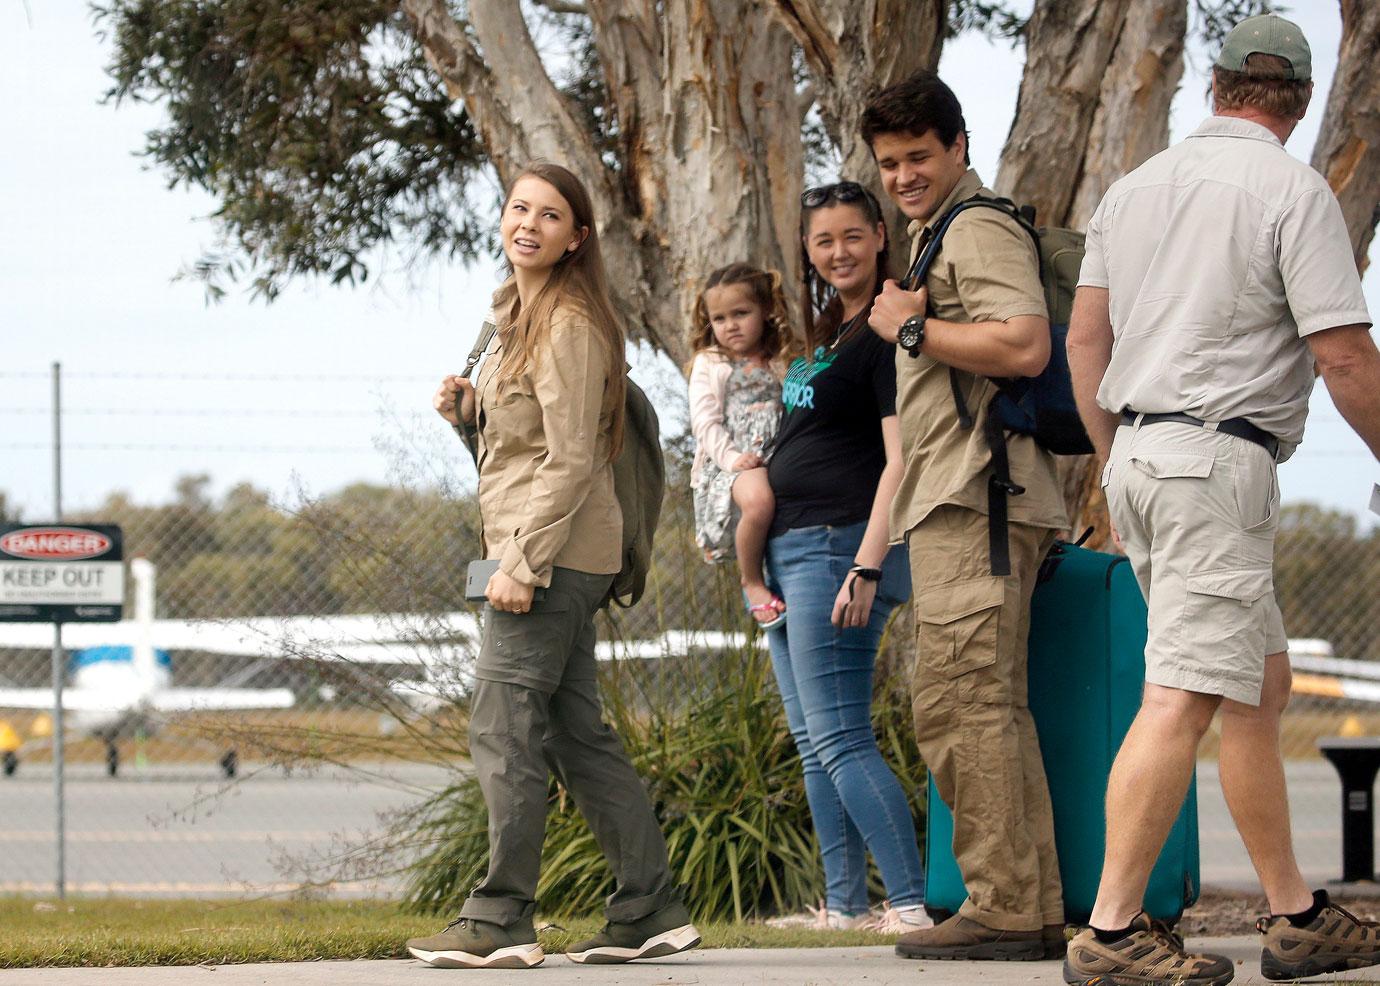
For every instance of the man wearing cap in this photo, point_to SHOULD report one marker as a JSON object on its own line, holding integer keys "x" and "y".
{"x": 1217, "y": 276}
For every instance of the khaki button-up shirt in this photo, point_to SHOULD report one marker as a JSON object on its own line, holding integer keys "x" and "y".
{"x": 546, "y": 493}
{"x": 986, "y": 270}
{"x": 1220, "y": 254}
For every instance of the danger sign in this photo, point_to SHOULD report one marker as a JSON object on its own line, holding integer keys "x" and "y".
{"x": 61, "y": 573}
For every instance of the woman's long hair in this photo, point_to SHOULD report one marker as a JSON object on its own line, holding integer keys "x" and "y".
{"x": 578, "y": 280}
{"x": 766, "y": 289}
{"x": 820, "y": 305}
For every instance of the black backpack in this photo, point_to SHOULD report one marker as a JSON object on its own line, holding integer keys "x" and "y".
{"x": 1042, "y": 406}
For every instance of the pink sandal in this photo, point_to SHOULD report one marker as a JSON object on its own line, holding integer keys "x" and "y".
{"x": 774, "y": 605}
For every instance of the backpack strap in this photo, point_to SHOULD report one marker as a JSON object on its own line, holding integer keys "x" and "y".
{"x": 469, "y": 432}
{"x": 999, "y": 485}
{"x": 486, "y": 336}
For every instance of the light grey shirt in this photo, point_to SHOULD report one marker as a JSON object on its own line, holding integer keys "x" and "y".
{"x": 1220, "y": 254}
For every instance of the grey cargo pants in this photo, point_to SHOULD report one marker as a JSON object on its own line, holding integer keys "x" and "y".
{"x": 536, "y": 706}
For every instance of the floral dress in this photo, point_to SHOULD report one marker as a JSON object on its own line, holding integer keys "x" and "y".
{"x": 752, "y": 412}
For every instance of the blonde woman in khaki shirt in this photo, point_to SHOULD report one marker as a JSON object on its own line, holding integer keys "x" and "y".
{"x": 548, "y": 409}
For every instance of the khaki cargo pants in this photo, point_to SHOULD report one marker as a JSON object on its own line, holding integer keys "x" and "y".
{"x": 972, "y": 718}
{"x": 535, "y": 707}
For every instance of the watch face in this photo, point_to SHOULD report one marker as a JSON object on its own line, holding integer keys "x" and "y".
{"x": 909, "y": 334}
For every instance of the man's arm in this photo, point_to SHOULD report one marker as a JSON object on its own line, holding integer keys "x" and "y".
{"x": 1090, "y": 352}
{"x": 1016, "y": 347}
{"x": 1350, "y": 365}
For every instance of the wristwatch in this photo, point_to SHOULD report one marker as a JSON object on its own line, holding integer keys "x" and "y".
{"x": 911, "y": 335}
{"x": 866, "y": 574}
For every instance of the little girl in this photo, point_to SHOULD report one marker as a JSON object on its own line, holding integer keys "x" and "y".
{"x": 739, "y": 335}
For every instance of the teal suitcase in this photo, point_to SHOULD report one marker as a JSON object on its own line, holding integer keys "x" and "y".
{"x": 1087, "y": 668}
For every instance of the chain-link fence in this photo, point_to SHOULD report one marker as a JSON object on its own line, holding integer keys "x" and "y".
{"x": 344, "y": 610}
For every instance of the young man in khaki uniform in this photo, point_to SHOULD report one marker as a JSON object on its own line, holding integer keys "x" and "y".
{"x": 980, "y": 314}
{"x": 1217, "y": 276}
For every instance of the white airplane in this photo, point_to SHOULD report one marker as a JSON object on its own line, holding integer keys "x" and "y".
{"x": 117, "y": 690}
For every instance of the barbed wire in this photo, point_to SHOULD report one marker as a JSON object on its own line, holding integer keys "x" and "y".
{"x": 205, "y": 412}
{"x": 226, "y": 377}
{"x": 150, "y": 447}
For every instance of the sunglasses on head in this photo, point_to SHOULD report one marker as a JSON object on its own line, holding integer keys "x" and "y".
{"x": 839, "y": 191}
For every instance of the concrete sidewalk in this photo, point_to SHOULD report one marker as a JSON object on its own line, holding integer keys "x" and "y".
{"x": 707, "y": 967}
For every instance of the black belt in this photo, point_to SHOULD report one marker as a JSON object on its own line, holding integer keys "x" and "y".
{"x": 1238, "y": 427}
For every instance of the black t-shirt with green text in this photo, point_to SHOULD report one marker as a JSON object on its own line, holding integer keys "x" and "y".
{"x": 829, "y": 454}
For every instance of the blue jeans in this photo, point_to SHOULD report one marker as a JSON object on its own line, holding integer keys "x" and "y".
{"x": 825, "y": 677}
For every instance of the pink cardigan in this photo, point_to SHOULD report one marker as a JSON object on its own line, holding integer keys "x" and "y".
{"x": 709, "y": 373}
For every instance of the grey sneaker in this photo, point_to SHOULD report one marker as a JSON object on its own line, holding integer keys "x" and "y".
{"x": 1335, "y": 940}
{"x": 469, "y": 944}
{"x": 663, "y": 932}
{"x": 1151, "y": 955}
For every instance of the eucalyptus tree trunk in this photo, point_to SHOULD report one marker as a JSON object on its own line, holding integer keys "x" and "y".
{"x": 1131, "y": 121}
{"x": 852, "y": 49}
{"x": 1348, "y": 147}
{"x": 1093, "y": 105}
{"x": 708, "y": 159}
{"x": 1069, "y": 48}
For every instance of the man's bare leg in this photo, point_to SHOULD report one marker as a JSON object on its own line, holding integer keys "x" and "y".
{"x": 1145, "y": 794}
{"x": 1252, "y": 773}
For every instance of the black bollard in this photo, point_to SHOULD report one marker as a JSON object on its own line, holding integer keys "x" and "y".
{"x": 1357, "y": 761}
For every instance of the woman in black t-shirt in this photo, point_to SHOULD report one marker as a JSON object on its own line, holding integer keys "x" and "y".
{"x": 834, "y": 471}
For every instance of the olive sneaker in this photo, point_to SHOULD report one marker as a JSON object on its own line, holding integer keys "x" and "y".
{"x": 1151, "y": 955}
{"x": 965, "y": 939}
{"x": 1333, "y": 941}
{"x": 469, "y": 944}
{"x": 661, "y": 933}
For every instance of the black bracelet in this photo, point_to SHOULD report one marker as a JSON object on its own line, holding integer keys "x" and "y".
{"x": 870, "y": 574}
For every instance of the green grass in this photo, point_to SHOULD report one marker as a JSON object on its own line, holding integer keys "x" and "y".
{"x": 116, "y": 932}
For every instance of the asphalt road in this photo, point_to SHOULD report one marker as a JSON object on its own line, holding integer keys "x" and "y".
{"x": 178, "y": 832}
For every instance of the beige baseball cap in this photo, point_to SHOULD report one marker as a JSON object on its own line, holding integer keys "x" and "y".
{"x": 1268, "y": 34}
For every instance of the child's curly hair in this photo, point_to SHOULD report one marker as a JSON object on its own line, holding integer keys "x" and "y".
{"x": 765, "y": 287}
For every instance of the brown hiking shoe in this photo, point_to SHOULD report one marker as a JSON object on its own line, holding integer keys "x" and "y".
{"x": 1055, "y": 941}
{"x": 1335, "y": 940}
{"x": 962, "y": 938}
{"x": 1151, "y": 955}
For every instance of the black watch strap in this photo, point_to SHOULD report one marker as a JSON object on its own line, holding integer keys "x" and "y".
{"x": 868, "y": 574}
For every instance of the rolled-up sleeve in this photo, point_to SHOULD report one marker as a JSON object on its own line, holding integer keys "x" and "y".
{"x": 707, "y": 413}
{"x": 568, "y": 381}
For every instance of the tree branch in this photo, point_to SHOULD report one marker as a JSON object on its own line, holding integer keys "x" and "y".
{"x": 1348, "y": 147}
{"x": 517, "y": 109}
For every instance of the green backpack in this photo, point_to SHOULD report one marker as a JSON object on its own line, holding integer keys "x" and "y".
{"x": 639, "y": 480}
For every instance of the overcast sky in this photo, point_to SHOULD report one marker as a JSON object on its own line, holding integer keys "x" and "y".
{"x": 317, "y": 389}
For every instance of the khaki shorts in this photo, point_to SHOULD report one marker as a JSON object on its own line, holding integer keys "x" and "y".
{"x": 1197, "y": 513}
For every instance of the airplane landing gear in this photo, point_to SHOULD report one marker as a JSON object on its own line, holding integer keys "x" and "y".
{"x": 9, "y": 763}
{"x": 230, "y": 763}
{"x": 112, "y": 759}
